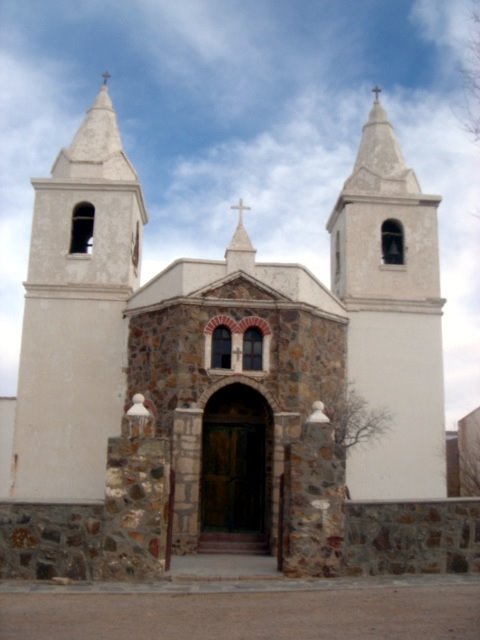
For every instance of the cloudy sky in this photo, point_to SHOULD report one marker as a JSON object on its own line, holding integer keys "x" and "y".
{"x": 263, "y": 99}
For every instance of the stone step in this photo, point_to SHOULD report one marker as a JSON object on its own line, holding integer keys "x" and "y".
{"x": 229, "y": 551}
{"x": 237, "y": 544}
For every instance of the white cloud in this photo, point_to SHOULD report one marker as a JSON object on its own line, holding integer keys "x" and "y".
{"x": 34, "y": 124}
{"x": 445, "y": 23}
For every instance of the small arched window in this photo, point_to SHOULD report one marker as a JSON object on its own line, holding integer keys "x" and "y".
{"x": 81, "y": 240}
{"x": 392, "y": 243}
{"x": 252, "y": 350}
{"x": 221, "y": 348}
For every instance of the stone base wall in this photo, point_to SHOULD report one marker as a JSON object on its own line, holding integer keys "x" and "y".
{"x": 394, "y": 538}
{"x": 44, "y": 541}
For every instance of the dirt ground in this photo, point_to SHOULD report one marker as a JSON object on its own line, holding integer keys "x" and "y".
{"x": 423, "y": 612}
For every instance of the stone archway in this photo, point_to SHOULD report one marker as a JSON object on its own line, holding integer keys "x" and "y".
{"x": 236, "y": 469}
{"x": 281, "y": 428}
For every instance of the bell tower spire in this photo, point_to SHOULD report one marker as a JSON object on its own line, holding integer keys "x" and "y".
{"x": 83, "y": 266}
{"x": 375, "y": 224}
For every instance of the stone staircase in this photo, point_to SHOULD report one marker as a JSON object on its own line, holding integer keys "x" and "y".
{"x": 255, "y": 544}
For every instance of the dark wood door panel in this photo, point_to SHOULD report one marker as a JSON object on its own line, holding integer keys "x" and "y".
{"x": 233, "y": 477}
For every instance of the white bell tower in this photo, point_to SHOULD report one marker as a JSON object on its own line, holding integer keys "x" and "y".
{"x": 385, "y": 268}
{"x": 84, "y": 264}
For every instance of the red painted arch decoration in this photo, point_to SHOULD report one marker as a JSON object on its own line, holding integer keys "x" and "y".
{"x": 254, "y": 321}
{"x": 237, "y": 327}
{"x": 221, "y": 320}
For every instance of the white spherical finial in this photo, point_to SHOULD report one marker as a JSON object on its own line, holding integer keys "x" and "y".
{"x": 138, "y": 408}
{"x": 318, "y": 414}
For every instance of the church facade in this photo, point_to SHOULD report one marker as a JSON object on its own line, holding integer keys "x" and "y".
{"x": 229, "y": 354}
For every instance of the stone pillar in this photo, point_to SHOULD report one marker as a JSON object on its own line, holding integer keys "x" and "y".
{"x": 314, "y": 519}
{"x": 186, "y": 461}
{"x": 136, "y": 504}
{"x": 287, "y": 429}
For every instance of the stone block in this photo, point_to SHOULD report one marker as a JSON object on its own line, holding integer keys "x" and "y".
{"x": 158, "y": 472}
{"x": 114, "y": 477}
{"x": 22, "y": 538}
{"x": 132, "y": 519}
{"x": 457, "y": 563}
{"x": 93, "y": 526}
{"x": 45, "y": 570}
{"x": 76, "y": 567}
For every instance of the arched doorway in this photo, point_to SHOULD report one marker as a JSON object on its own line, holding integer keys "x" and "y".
{"x": 237, "y": 447}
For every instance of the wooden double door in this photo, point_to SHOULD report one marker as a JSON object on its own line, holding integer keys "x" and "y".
{"x": 233, "y": 478}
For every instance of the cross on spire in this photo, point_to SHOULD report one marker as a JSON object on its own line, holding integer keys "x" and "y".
{"x": 105, "y": 76}
{"x": 376, "y": 90}
{"x": 241, "y": 208}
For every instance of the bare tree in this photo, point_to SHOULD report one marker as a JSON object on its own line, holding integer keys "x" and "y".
{"x": 355, "y": 421}
{"x": 469, "y": 459}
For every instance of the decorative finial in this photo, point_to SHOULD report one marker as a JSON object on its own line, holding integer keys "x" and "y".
{"x": 318, "y": 413}
{"x": 376, "y": 90}
{"x": 138, "y": 408}
{"x": 105, "y": 76}
{"x": 241, "y": 208}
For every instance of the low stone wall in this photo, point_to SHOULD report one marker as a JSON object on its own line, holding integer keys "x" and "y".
{"x": 394, "y": 538}
{"x": 123, "y": 538}
{"x": 42, "y": 541}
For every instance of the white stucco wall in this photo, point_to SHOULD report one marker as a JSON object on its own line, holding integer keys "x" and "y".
{"x": 180, "y": 278}
{"x": 395, "y": 360}
{"x": 117, "y": 209}
{"x": 7, "y": 423}
{"x": 71, "y": 397}
{"x": 363, "y": 274}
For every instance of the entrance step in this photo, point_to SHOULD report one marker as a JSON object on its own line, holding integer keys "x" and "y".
{"x": 234, "y": 544}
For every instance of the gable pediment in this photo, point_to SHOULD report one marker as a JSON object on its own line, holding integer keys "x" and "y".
{"x": 239, "y": 286}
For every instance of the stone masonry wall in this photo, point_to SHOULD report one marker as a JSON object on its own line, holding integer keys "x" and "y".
{"x": 412, "y": 537}
{"x": 314, "y": 487}
{"x": 43, "y": 541}
{"x": 167, "y": 365}
{"x": 166, "y": 356}
{"x": 136, "y": 509}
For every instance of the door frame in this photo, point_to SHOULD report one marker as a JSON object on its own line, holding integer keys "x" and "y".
{"x": 285, "y": 427}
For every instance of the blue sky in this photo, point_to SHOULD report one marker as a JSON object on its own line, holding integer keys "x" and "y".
{"x": 264, "y": 99}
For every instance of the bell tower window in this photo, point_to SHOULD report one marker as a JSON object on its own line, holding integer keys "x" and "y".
{"x": 81, "y": 240}
{"x": 392, "y": 243}
{"x": 221, "y": 348}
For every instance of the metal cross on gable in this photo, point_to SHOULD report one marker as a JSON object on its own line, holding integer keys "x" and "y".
{"x": 376, "y": 90}
{"x": 106, "y": 76}
{"x": 241, "y": 208}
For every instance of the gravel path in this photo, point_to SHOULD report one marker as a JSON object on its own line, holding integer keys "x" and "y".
{"x": 431, "y": 612}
